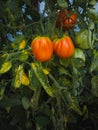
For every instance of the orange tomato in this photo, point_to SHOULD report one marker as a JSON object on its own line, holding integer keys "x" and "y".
{"x": 63, "y": 47}
{"x": 42, "y": 48}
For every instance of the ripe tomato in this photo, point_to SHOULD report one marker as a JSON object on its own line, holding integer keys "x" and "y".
{"x": 42, "y": 48}
{"x": 82, "y": 39}
{"x": 66, "y": 19}
{"x": 63, "y": 47}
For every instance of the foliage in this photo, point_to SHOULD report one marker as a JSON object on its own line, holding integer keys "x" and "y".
{"x": 59, "y": 94}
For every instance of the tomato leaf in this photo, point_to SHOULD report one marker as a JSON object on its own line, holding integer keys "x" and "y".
{"x": 94, "y": 83}
{"x": 18, "y": 77}
{"x": 62, "y": 3}
{"x": 26, "y": 103}
{"x": 38, "y": 70}
{"x": 6, "y": 66}
{"x": 94, "y": 65}
{"x": 76, "y": 108}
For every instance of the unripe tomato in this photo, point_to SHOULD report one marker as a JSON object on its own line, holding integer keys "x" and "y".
{"x": 63, "y": 47}
{"x": 82, "y": 39}
{"x": 79, "y": 54}
{"x": 42, "y": 48}
{"x": 66, "y": 19}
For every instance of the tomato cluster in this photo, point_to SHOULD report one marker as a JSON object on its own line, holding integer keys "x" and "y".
{"x": 43, "y": 48}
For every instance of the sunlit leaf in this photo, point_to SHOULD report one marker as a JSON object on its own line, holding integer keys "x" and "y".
{"x": 23, "y": 56}
{"x": 46, "y": 71}
{"x": 6, "y": 66}
{"x": 25, "y": 80}
{"x": 22, "y": 44}
{"x": 18, "y": 77}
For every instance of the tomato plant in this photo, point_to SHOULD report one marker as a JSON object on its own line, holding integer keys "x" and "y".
{"x": 66, "y": 19}
{"x": 42, "y": 48}
{"x": 59, "y": 94}
{"x": 64, "y": 47}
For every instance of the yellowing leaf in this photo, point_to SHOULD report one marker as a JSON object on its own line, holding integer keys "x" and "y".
{"x": 46, "y": 71}
{"x": 33, "y": 65}
{"x": 6, "y": 66}
{"x": 25, "y": 79}
{"x": 38, "y": 71}
{"x": 22, "y": 44}
{"x": 18, "y": 77}
{"x": 23, "y": 56}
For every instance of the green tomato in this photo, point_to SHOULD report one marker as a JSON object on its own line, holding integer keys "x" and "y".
{"x": 79, "y": 54}
{"x": 93, "y": 12}
{"x": 82, "y": 40}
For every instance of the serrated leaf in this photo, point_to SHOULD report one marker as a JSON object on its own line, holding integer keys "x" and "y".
{"x": 6, "y": 66}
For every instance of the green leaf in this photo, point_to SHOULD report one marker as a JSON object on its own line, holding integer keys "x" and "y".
{"x": 62, "y": 3}
{"x": 2, "y": 90}
{"x": 6, "y": 66}
{"x": 34, "y": 82}
{"x": 23, "y": 56}
{"x": 94, "y": 83}
{"x": 76, "y": 108}
{"x": 26, "y": 103}
{"x": 94, "y": 65}
{"x": 42, "y": 121}
{"x": 10, "y": 102}
{"x": 14, "y": 8}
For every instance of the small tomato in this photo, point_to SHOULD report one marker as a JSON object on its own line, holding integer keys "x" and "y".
{"x": 42, "y": 48}
{"x": 63, "y": 47}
